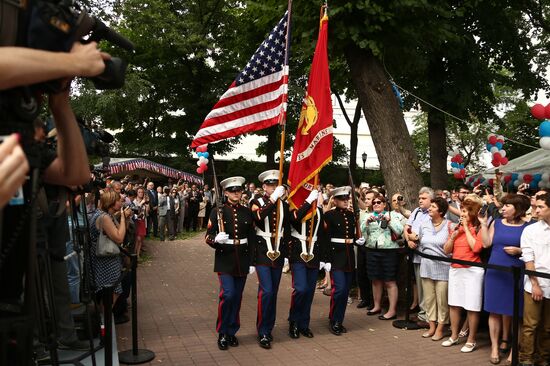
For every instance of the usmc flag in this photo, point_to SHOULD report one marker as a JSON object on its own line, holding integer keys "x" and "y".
{"x": 313, "y": 143}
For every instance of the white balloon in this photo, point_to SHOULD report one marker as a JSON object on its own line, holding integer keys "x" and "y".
{"x": 542, "y": 184}
{"x": 517, "y": 183}
{"x": 500, "y": 137}
{"x": 502, "y": 153}
{"x": 456, "y": 170}
{"x": 545, "y": 177}
{"x": 490, "y": 135}
{"x": 520, "y": 177}
{"x": 205, "y": 161}
{"x": 494, "y": 149}
{"x": 545, "y": 142}
{"x": 199, "y": 162}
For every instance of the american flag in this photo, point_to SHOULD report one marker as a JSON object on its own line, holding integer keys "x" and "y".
{"x": 257, "y": 98}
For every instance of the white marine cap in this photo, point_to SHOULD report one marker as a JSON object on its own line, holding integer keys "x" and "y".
{"x": 364, "y": 185}
{"x": 232, "y": 182}
{"x": 340, "y": 191}
{"x": 269, "y": 176}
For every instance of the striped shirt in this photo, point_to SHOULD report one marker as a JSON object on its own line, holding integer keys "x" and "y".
{"x": 432, "y": 242}
{"x": 417, "y": 218}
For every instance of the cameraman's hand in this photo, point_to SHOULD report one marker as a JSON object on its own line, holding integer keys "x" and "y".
{"x": 89, "y": 60}
{"x": 13, "y": 168}
{"x": 127, "y": 212}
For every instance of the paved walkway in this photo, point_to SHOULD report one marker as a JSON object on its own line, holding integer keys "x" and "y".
{"x": 178, "y": 308}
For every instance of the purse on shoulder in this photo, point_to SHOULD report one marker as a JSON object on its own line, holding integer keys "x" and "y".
{"x": 105, "y": 246}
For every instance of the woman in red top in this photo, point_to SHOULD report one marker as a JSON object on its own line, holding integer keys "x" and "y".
{"x": 465, "y": 282}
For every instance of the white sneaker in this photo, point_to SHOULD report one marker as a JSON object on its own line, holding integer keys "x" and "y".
{"x": 449, "y": 342}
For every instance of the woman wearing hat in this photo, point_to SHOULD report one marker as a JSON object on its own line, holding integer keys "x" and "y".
{"x": 341, "y": 230}
{"x": 230, "y": 232}
{"x": 270, "y": 250}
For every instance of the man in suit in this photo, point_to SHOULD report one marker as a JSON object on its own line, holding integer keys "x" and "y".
{"x": 152, "y": 219}
{"x": 163, "y": 212}
{"x": 173, "y": 210}
{"x": 195, "y": 198}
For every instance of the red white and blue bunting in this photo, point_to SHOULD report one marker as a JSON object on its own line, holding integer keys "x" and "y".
{"x": 135, "y": 164}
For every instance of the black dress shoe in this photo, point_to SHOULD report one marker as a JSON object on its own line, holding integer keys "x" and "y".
{"x": 335, "y": 328}
{"x": 382, "y": 317}
{"x": 223, "y": 342}
{"x": 362, "y": 304}
{"x": 270, "y": 337}
{"x": 233, "y": 341}
{"x": 306, "y": 333}
{"x": 293, "y": 330}
{"x": 264, "y": 341}
{"x": 370, "y": 312}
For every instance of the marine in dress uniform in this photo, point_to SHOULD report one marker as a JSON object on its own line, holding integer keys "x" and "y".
{"x": 341, "y": 231}
{"x": 232, "y": 240}
{"x": 306, "y": 258}
{"x": 270, "y": 237}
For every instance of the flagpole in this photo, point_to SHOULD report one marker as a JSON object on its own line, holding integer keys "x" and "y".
{"x": 282, "y": 123}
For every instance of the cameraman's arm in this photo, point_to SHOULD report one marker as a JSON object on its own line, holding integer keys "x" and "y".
{"x": 71, "y": 165}
{"x": 24, "y": 66}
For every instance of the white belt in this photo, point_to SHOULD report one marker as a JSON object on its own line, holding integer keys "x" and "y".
{"x": 263, "y": 234}
{"x": 236, "y": 241}
{"x": 341, "y": 241}
{"x": 294, "y": 233}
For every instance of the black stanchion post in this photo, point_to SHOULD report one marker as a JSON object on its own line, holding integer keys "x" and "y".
{"x": 518, "y": 276}
{"x": 107, "y": 322}
{"x": 407, "y": 323}
{"x": 135, "y": 356}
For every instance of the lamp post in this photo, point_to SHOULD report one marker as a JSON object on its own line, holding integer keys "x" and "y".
{"x": 364, "y": 157}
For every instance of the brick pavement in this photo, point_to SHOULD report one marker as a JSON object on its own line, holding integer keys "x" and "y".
{"x": 178, "y": 308}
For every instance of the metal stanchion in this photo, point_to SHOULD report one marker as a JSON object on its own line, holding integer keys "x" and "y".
{"x": 135, "y": 356}
{"x": 518, "y": 276}
{"x": 407, "y": 323}
{"x": 107, "y": 322}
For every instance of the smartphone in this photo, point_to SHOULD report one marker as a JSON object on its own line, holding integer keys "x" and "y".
{"x": 483, "y": 210}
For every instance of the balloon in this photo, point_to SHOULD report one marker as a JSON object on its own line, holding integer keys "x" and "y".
{"x": 538, "y": 111}
{"x": 537, "y": 177}
{"x": 206, "y": 154}
{"x": 205, "y": 161}
{"x": 502, "y": 153}
{"x": 496, "y": 163}
{"x": 459, "y": 158}
{"x": 199, "y": 162}
{"x": 488, "y": 146}
{"x": 545, "y": 142}
{"x": 520, "y": 176}
{"x": 547, "y": 111}
{"x": 527, "y": 178}
{"x": 542, "y": 184}
{"x": 492, "y": 140}
{"x": 507, "y": 178}
{"x": 515, "y": 176}
{"x": 534, "y": 184}
{"x": 454, "y": 165}
{"x": 456, "y": 175}
{"x": 517, "y": 183}
{"x": 499, "y": 145}
{"x": 545, "y": 177}
{"x": 493, "y": 150}
{"x": 205, "y": 168}
{"x": 491, "y": 182}
{"x": 199, "y": 170}
{"x": 544, "y": 128}
{"x": 503, "y": 161}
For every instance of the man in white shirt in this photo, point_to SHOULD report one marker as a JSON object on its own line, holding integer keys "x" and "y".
{"x": 535, "y": 246}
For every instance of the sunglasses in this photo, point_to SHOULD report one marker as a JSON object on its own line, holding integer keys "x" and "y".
{"x": 377, "y": 202}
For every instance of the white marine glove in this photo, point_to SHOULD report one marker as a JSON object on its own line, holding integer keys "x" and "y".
{"x": 312, "y": 196}
{"x": 286, "y": 261}
{"x": 360, "y": 241}
{"x": 321, "y": 265}
{"x": 278, "y": 193}
{"x": 251, "y": 269}
{"x": 221, "y": 238}
{"x": 328, "y": 266}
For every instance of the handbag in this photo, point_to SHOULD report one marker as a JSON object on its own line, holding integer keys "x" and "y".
{"x": 105, "y": 246}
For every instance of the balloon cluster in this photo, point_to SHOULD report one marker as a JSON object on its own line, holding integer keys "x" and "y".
{"x": 542, "y": 113}
{"x": 494, "y": 146}
{"x": 203, "y": 159}
{"x": 457, "y": 166}
{"x": 535, "y": 181}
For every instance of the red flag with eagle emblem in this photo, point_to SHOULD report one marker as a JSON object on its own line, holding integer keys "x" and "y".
{"x": 313, "y": 143}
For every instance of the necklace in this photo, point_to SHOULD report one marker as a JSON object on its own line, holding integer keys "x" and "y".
{"x": 438, "y": 224}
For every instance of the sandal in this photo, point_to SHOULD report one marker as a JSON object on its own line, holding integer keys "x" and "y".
{"x": 327, "y": 291}
{"x": 464, "y": 333}
{"x": 495, "y": 360}
{"x": 321, "y": 287}
{"x": 504, "y": 351}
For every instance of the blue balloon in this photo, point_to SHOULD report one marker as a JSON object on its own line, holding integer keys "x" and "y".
{"x": 544, "y": 129}
{"x": 514, "y": 177}
{"x": 205, "y": 154}
{"x": 537, "y": 177}
{"x": 534, "y": 184}
{"x": 460, "y": 166}
{"x": 499, "y": 145}
{"x": 489, "y": 146}
{"x": 200, "y": 154}
{"x": 454, "y": 165}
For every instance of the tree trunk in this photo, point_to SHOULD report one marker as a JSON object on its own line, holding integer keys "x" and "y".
{"x": 393, "y": 144}
{"x": 438, "y": 149}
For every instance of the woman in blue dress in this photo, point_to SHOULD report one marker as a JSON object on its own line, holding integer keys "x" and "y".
{"x": 504, "y": 237}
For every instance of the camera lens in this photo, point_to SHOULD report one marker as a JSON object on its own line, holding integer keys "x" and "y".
{"x": 400, "y": 198}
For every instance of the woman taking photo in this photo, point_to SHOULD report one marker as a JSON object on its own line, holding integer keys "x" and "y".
{"x": 382, "y": 255}
{"x": 504, "y": 237}
{"x": 433, "y": 235}
{"x": 465, "y": 282}
{"x": 107, "y": 269}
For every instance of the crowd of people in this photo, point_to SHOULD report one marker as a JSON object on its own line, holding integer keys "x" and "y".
{"x": 479, "y": 226}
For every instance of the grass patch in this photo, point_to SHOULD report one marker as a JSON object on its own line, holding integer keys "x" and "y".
{"x": 182, "y": 236}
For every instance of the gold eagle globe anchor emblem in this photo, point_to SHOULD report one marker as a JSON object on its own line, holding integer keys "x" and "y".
{"x": 308, "y": 116}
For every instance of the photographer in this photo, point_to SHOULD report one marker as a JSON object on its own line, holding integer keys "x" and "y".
{"x": 13, "y": 168}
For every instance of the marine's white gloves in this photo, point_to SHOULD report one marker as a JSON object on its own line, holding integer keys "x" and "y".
{"x": 312, "y": 196}
{"x": 221, "y": 238}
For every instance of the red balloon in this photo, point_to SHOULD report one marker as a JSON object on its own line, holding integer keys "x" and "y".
{"x": 497, "y": 157}
{"x": 463, "y": 173}
{"x": 199, "y": 170}
{"x": 205, "y": 168}
{"x": 547, "y": 111}
{"x": 457, "y": 175}
{"x": 538, "y": 111}
{"x": 504, "y": 161}
{"x": 459, "y": 159}
{"x": 495, "y": 163}
{"x": 492, "y": 140}
{"x": 507, "y": 178}
{"x": 491, "y": 182}
{"x": 527, "y": 178}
